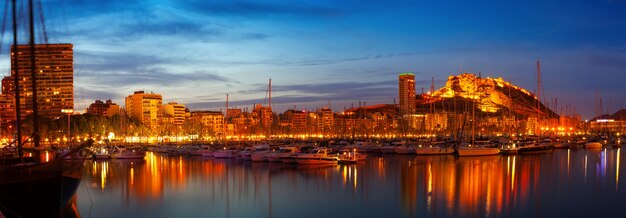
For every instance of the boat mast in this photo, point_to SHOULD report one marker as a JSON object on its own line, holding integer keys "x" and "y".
{"x": 16, "y": 80}
{"x": 33, "y": 73}
{"x": 538, "y": 100}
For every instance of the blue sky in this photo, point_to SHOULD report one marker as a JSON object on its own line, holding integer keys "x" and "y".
{"x": 195, "y": 52}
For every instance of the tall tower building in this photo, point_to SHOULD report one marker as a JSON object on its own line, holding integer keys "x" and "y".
{"x": 54, "y": 67}
{"x": 147, "y": 107}
{"x": 406, "y": 92}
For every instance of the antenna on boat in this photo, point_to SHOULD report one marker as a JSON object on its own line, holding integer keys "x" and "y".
{"x": 33, "y": 73}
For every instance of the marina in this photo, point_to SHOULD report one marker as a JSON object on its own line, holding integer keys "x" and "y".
{"x": 384, "y": 185}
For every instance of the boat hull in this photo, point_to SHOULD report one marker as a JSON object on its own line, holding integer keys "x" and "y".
{"x": 478, "y": 152}
{"x": 434, "y": 151}
{"x": 534, "y": 149}
{"x": 50, "y": 190}
{"x": 593, "y": 145}
{"x": 316, "y": 161}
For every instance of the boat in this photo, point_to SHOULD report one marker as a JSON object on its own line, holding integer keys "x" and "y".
{"x": 351, "y": 156}
{"x": 29, "y": 187}
{"x": 404, "y": 149}
{"x": 317, "y": 156}
{"x": 127, "y": 153}
{"x": 593, "y": 144}
{"x": 433, "y": 150}
{"x": 509, "y": 148}
{"x": 225, "y": 153}
{"x": 561, "y": 145}
{"x": 259, "y": 152}
{"x": 477, "y": 151}
{"x": 282, "y": 152}
{"x": 202, "y": 150}
{"x": 535, "y": 148}
{"x": 49, "y": 185}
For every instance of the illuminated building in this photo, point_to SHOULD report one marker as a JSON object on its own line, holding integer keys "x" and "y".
{"x": 326, "y": 118}
{"x": 107, "y": 109}
{"x": 54, "y": 67}
{"x": 406, "y": 92}
{"x": 176, "y": 111}
{"x": 263, "y": 114}
{"x": 295, "y": 118}
{"x": 212, "y": 121}
{"x": 147, "y": 107}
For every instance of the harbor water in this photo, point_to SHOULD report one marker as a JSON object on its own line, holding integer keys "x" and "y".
{"x": 560, "y": 183}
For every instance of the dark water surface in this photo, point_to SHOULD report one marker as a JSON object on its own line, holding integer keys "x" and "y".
{"x": 562, "y": 183}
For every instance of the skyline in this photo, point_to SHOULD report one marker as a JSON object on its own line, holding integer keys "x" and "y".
{"x": 318, "y": 52}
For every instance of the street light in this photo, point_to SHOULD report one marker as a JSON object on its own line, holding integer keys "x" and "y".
{"x": 69, "y": 112}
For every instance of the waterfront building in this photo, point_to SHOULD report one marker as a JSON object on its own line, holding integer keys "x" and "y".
{"x": 107, "y": 109}
{"x": 176, "y": 111}
{"x": 263, "y": 115}
{"x": 147, "y": 107}
{"x": 54, "y": 68}
{"x": 406, "y": 93}
{"x": 326, "y": 119}
{"x": 212, "y": 122}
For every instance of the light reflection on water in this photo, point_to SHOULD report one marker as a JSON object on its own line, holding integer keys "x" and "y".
{"x": 549, "y": 184}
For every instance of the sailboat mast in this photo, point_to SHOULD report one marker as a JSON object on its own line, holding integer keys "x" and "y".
{"x": 33, "y": 73}
{"x": 538, "y": 100}
{"x": 16, "y": 80}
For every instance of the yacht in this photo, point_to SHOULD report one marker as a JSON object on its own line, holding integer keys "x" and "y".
{"x": 282, "y": 152}
{"x": 126, "y": 153}
{"x": 593, "y": 144}
{"x": 317, "y": 156}
{"x": 225, "y": 153}
{"x": 477, "y": 150}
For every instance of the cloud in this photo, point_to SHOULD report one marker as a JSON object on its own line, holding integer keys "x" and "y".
{"x": 122, "y": 69}
{"x": 151, "y": 76}
{"x": 248, "y": 9}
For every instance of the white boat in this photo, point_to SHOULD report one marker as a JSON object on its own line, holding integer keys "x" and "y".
{"x": 477, "y": 151}
{"x": 126, "y": 153}
{"x": 351, "y": 156}
{"x": 433, "y": 150}
{"x": 317, "y": 156}
{"x": 282, "y": 152}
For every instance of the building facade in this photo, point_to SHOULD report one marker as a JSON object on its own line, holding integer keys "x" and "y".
{"x": 147, "y": 107}
{"x": 176, "y": 111}
{"x": 107, "y": 109}
{"x": 212, "y": 121}
{"x": 406, "y": 93}
{"x": 54, "y": 67}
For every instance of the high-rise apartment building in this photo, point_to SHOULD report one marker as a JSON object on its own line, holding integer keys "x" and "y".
{"x": 54, "y": 67}
{"x": 175, "y": 110}
{"x": 147, "y": 107}
{"x": 406, "y": 92}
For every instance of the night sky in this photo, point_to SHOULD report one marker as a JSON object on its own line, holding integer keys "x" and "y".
{"x": 342, "y": 52}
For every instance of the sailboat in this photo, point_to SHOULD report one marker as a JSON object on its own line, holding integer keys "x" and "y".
{"x": 540, "y": 146}
{"x": 30, "y": 188}
{"x": 473, "y": 148}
